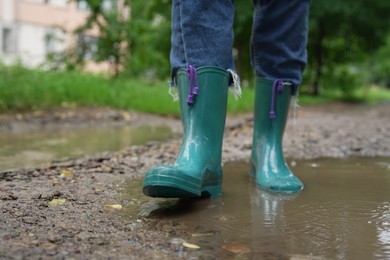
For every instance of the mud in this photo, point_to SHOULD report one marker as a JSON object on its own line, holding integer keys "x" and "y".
{"x": 69, "y": 209}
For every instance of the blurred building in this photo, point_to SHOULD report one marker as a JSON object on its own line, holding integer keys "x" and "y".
{"x": 32, "y": 29}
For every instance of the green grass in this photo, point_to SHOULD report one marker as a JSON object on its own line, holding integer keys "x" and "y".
{"x": 371, "y": 95}
{"x": 23, "y": 89}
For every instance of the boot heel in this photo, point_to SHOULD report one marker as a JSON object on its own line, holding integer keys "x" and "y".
{"x": 212, "y": 191}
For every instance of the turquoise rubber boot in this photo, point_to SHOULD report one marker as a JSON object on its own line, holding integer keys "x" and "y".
{"x": 272, "y": 101}
{"x": 197, "y": 171}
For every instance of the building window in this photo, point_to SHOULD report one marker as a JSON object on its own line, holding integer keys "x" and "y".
{"x": 7, "y": 40}
{"x": 87, "y": 46}
{"x": 108, "y": 5}
{"x": 105, "y": 5}
{"x": 57, "y": 3}
{"x": 82, "y": 5}
{"x": 49, "y": 42}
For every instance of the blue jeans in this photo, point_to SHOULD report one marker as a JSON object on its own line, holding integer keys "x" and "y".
{"x": 202, "y": 35}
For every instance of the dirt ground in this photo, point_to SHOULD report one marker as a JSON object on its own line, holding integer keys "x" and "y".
{"x": 71, "y": 209}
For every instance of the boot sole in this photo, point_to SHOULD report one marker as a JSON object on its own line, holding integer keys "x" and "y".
{"x": 169, "y": 187}
{"x": 174, "y": 192}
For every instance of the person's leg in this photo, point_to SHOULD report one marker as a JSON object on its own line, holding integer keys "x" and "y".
{"x": 177, "y": 55}
{"x": 279, "y": 38}
{"x": 278, "y": 47}
{"x": 202, "y": 38}
{"x": 202, "y": 34}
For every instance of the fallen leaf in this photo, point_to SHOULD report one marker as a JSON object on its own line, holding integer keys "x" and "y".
{"x": 65, "y": 173}
{"x": 56, "y": 202}
{"x": 192, "y": 246}
{"x": 114, "y": 206}
{"x": 48, "y": 246}
{"x": 127, "y": 116}
{"x": 20, "y": 244}
{"x": 237, "y": 248}
{"x": 106, "y": 169}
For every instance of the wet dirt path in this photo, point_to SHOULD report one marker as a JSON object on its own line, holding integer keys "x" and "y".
{"x": 67, "y": 209}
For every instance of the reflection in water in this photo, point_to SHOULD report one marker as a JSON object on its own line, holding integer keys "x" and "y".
{"x": 383, "y": 227}
{"x": 268, "y": 221}
{"x": 343, "y": 213}
{"x": 19, "y": 150}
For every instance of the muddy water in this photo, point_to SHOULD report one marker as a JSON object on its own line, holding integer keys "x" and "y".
{"x": 343, "y": 213}
{"x": 18, "y": 150}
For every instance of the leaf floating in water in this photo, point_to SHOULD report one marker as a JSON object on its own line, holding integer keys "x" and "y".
{"x": 114, "y": 206}
{"x": 56, "y": 202}
{"x": 192, "y": 246}
{"x": 66, "y": 174}
{"x": 237, "y": 248}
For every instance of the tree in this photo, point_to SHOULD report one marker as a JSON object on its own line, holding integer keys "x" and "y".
{"x": 341, "y": 33}
{"x": 133, "y": 37}
{"x": 344, "y": 31}
{"x": 242, "y": 30}
{"x": 111, "y": 21}
{"x": 381, "y": 64}
{"x": 149, "y": 38}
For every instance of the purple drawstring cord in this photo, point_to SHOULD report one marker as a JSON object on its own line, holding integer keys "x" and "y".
{"x": 193, "y": 81}
{"x": 279, "y": 84}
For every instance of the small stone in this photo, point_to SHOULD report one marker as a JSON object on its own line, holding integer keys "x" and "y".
{"x": 30, "y": 220}
{"x": 8, "y": 196}
{"x": 177, "y": 244}
{"x": 100, "y": 241}
{"x": 85, "y": 235}
{"x": 19, "y": 213}
{"x": 8, "y": 235}
{"x": 133, "y": 226}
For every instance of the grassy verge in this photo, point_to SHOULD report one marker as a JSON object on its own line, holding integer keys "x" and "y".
{"x": 22, "y": 89}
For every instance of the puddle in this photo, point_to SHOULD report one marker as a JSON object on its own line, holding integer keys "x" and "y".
{"x": 343, "y": 213}
{"x": 18, "y": 150}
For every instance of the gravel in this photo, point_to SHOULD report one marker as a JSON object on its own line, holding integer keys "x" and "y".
{"x": 47, "y": 213}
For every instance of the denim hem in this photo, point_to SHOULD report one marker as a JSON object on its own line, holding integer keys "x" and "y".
{"x": 294, "y": 87}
